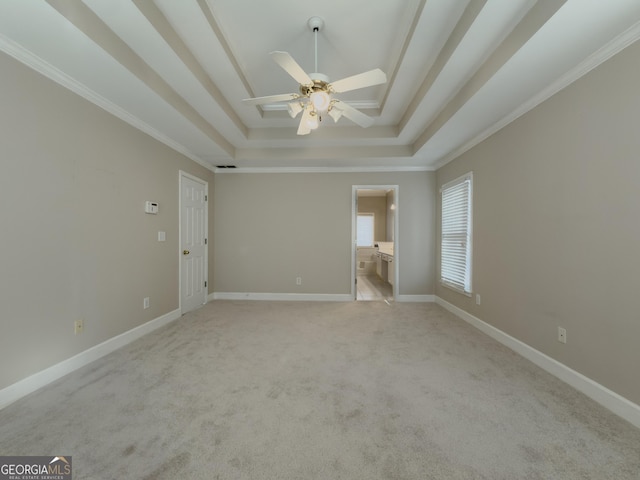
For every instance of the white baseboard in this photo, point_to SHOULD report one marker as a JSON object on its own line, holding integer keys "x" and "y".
{"x": 601, "y": 394}
{"x": 416, "y": 298}
{"x": 38, "y": 380}
{"x": 316, "y": 297}
{"x": 319, "y": 297}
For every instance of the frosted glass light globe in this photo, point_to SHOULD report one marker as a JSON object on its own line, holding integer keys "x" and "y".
{"x": 320, "y": 101}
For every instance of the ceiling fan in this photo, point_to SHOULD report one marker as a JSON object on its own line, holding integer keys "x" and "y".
{"x": 316, "y": 96}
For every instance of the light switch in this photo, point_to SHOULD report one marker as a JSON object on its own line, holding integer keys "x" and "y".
{"x": 162, "y": 236}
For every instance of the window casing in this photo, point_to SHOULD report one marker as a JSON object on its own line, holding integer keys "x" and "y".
{"x": 456, "y": 233}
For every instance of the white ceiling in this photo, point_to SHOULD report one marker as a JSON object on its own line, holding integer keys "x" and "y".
{"x": 458, "y": 70}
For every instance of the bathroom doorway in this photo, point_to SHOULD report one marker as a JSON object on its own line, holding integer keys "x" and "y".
{"x": 374, "y": 240}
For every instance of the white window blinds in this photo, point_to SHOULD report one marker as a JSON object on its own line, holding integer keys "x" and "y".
{"x": 455, "y": 251}
{"x": 364, "y": 230}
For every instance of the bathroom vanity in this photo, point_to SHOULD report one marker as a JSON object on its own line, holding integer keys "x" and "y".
{"x": 384, "y": 261}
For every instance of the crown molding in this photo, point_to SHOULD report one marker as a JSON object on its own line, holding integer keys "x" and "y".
{"x": 359, "y": 104}
{"x": 36, "y": 63}
{"x": 323, "y": 169}
{"x": 594, "y": 60}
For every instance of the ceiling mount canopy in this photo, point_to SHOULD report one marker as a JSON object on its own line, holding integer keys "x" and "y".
{"x": 316, "y": 97}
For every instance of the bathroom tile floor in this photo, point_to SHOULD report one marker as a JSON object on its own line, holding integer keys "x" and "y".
{"x": 371, "y": 287}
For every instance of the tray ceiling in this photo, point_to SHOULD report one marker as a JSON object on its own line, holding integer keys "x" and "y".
{"x": 457, "y": 70}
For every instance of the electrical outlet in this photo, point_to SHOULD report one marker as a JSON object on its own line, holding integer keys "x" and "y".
{"x": 562, "y": 335}
{"x": 78, "y": 327}
{"x": 145, "y": 302}
{"x": 298, "y": 280}
{"x": 477, "y": 299}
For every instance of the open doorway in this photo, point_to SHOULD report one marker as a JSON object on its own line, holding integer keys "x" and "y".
{"x": 374, "y": 240}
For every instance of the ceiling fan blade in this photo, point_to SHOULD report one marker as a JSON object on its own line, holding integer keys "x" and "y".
{"x": 287, "y": 62}
{"x": 303, "y": 127}
{"x": 365, "y": 79}
{"x": 356, "y": 116}
{"x": 283, "y": 97}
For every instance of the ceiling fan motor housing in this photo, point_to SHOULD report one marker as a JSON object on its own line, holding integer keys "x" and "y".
{"x": 320, "y": 84}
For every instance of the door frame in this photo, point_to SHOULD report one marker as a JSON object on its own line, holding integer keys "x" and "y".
{"x": 396, "y": 235}
{"x": 182, "y": 174}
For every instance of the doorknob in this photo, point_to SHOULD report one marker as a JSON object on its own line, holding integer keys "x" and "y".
{"x": 185, "y": 252}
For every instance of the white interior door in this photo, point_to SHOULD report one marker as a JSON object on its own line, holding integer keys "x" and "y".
{"x": 193, "y": 242}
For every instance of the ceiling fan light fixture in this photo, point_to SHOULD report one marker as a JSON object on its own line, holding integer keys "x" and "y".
{"x": 294, "y": 108}
{"x": 321, "y": 100}
{"x": 312, "y": 120}
{"x": 335, "y": 114}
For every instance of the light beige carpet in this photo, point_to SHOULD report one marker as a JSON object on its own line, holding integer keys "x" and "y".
{"x": 309, "y": 390}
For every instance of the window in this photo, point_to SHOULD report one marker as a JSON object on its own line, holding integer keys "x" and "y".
{"x": 364, "y": 230}
{"x": 455, "y": 251}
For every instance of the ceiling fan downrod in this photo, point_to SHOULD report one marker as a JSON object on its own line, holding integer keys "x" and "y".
{"x": 315, "y": 24}
{"x": 318, "y": 93}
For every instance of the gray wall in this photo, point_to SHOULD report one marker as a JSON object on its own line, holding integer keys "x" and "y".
{"x": 273, "y": 227}
{"x": 557, "y": 226}
{"x": 75, "y": 242}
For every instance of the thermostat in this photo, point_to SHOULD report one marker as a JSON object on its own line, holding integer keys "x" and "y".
{"x": 151, "y": 207}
